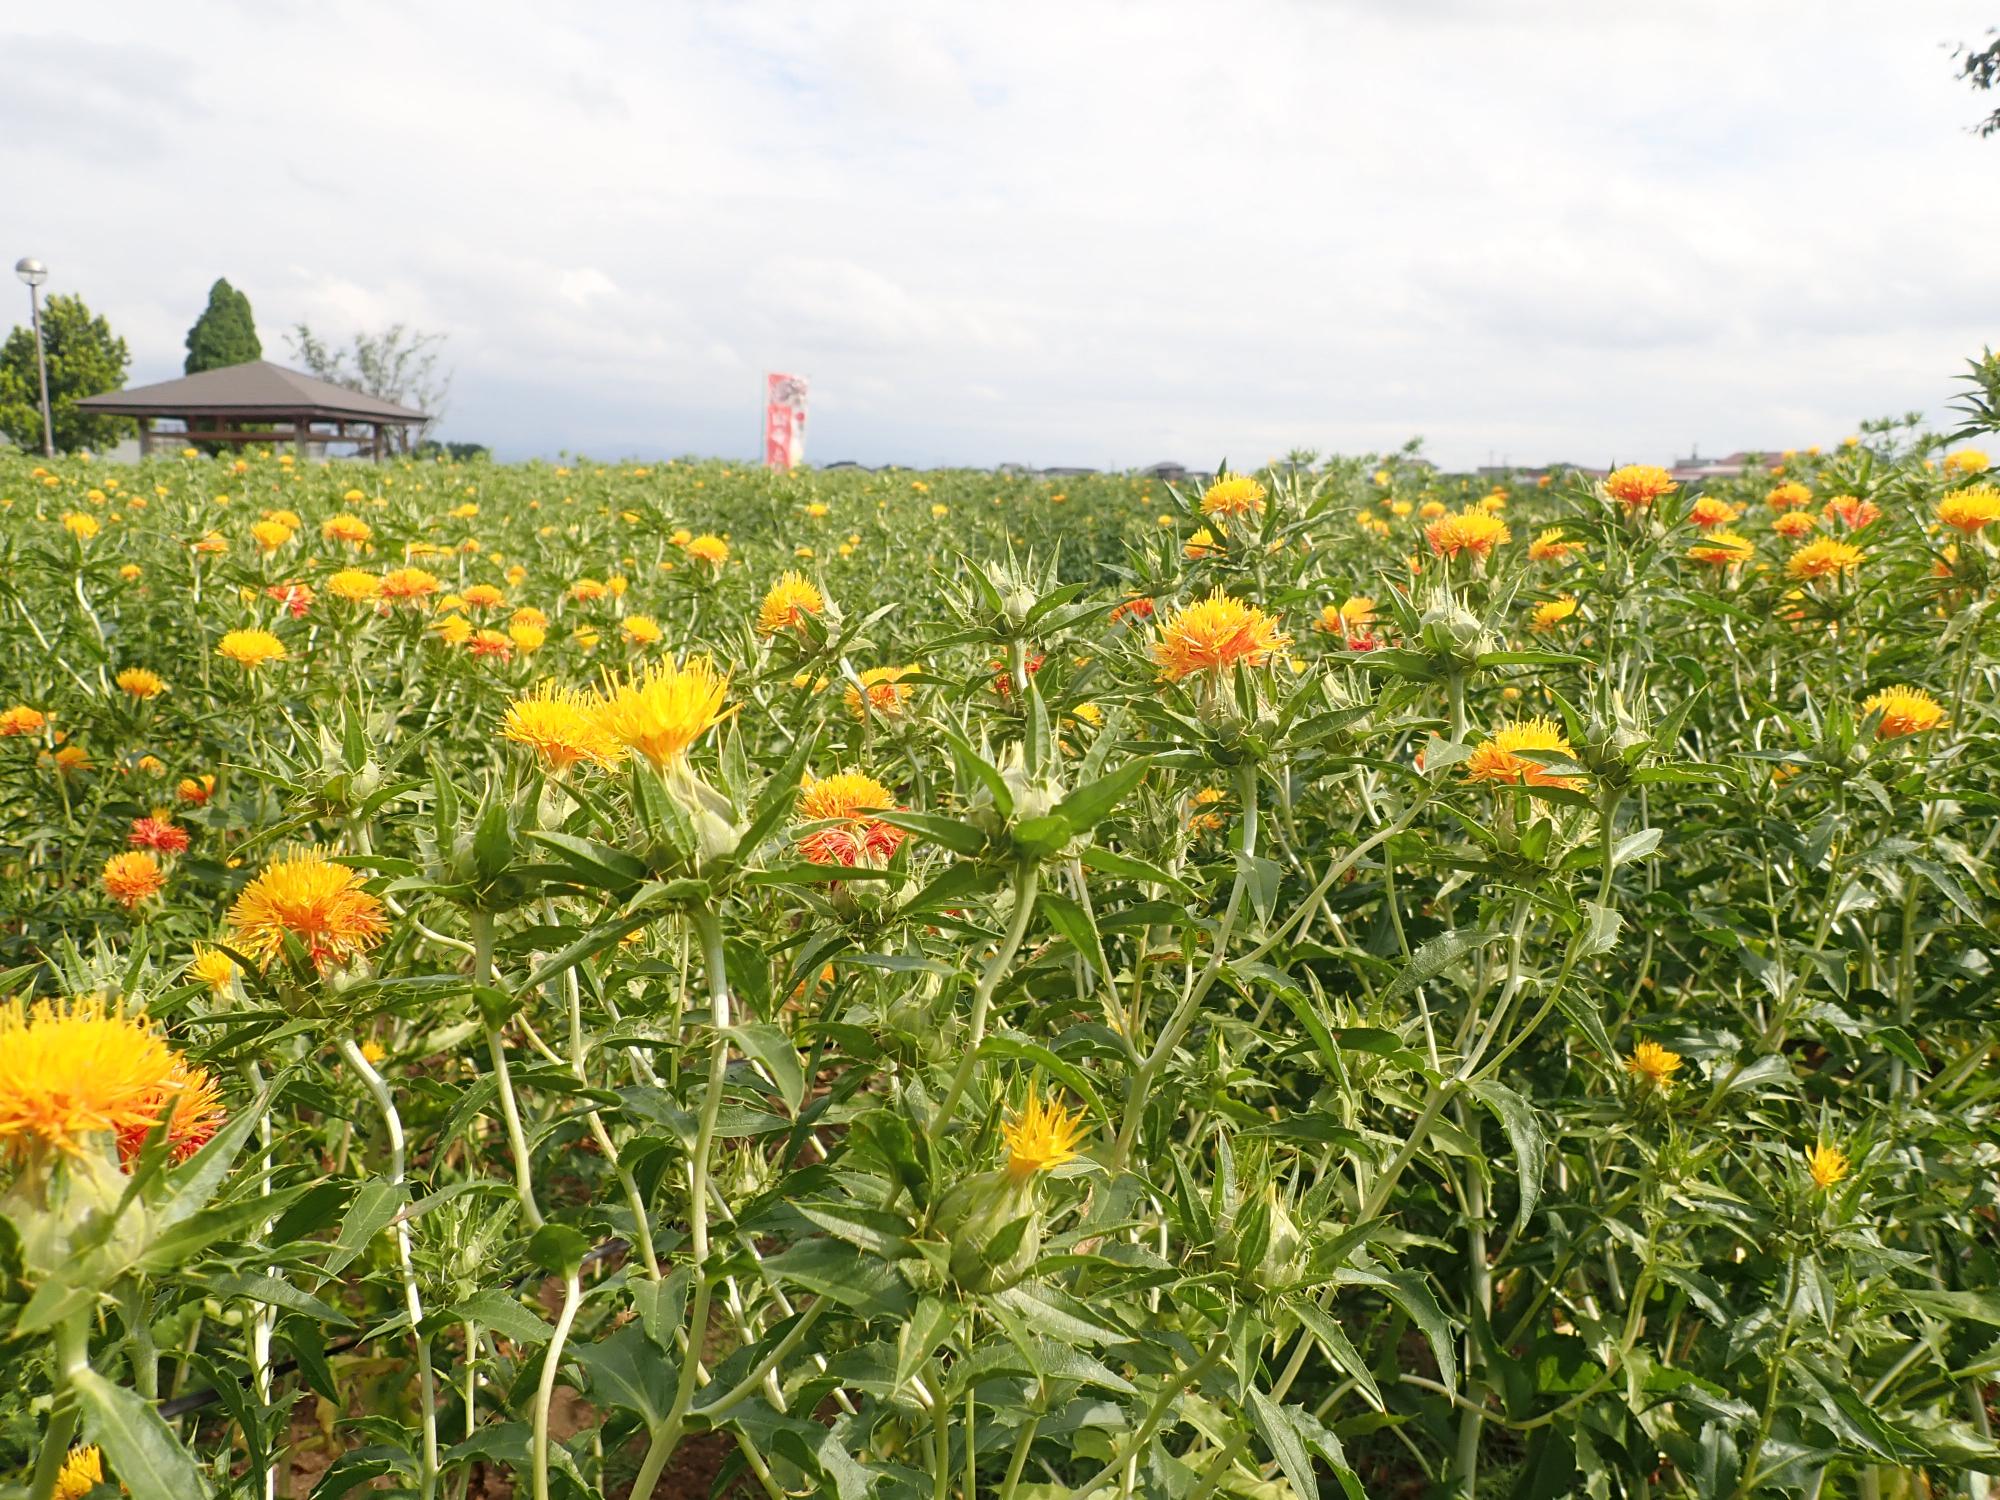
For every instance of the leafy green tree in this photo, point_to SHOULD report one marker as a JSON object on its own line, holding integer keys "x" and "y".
{"x": 85, "y": 359}
{"x": 225, "y": 334}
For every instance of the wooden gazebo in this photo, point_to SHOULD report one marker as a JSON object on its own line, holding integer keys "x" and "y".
{"x": 215, "y": 405}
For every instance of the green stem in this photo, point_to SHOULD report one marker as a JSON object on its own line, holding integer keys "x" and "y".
{"x": 1607, "y": 817}
{"x": 1435, "y": 1099}
{"x": 1479, "y": 1292}
{"x": 971, "y": 1447}
{"x": 545, "y": 1391}
{"x": 1170, "y": 1392}
{"x": 471, "y": 1379}
{"x": 145, "y": 1354}
{"x": 1212, "y": 1475}
{"x": 392, "y": 1122}
{"x": 940, "y": 1451}
{"x": 1148, "y": 1071}
{"x": 72, "y": 1355}
{"x": 658, "y": 1451}
{"x": 1019, "y": 1462}
{"x": 1747, "y": 1485}
{"x": 1027, "y": 877}
{"x": 642, "y": 1228}
{"x": 503, "y": 1078}
{"x": 708, "y": 926}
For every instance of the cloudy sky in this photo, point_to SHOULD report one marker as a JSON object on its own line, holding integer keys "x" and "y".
{"x": 1072, "y": 232}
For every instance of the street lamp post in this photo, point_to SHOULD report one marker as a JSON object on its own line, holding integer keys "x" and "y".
{"x": 34, "y": 273}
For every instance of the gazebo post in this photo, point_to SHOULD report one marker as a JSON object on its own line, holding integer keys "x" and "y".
{"x": 301, "y": 430}
{"x": 145, "y": 438}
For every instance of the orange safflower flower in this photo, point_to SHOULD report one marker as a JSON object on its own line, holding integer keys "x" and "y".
{"x": 1708, "y": 513}
{"x": 1722, "y": 549}
{"x": 886, "y": 694}
{"x": 132, "y": 877}
{"x": 409, "y": 584}
{"x": 1788, "y": 496}
{"x": 1471, "y": 531}
{"x": 1905, "y": 710}
{"x": 661, "y": 713}
{"x": 250, "y": 649}
{"x": 1639, "y": 484}
{"x": 1823, "y": 558}
{"x": 21, "y": 720}
{"x": 561, "y": 726}
{"x": 1499, "y": 759}
{"x": 786, "y": 606}
{"x": 847, "y": 796}
{"x": 191, "y": 1093}
{"x": 1653, "y": 1065}
{"x": 1970, "y": 510}
{"x": 641, "y": 630}
{"x": 307, "y": 898}
{"x": 1233, "y": 495}
{"x": 140, "y": 682}
{"x": 1213, "y": 634}
{"x": 70, "y": 1071}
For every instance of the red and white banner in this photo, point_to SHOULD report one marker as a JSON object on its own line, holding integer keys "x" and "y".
{"x": 784, "y": 421}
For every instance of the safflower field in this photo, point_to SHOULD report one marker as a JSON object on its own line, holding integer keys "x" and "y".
{"x": 654, "y": 980}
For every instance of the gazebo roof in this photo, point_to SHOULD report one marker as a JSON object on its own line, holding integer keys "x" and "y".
{"x": 255, "y": 391}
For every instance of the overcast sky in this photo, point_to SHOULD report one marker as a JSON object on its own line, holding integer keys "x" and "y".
{"x": 1086, "y": 233}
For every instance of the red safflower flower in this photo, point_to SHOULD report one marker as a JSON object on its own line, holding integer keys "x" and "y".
{"x": 297, "y": 598}
{"x": 1003, "y": 676}
{"x": 159, "y": 832}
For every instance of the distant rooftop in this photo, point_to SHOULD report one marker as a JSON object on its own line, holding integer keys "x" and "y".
{"x": 256, "y": 391}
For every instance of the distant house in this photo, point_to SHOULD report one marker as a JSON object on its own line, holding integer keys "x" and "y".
{"x": 1731, "y": 466}
{"x": 1529, "y": 473}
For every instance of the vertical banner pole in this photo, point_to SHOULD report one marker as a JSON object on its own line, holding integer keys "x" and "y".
{"x": 784, "y": 421}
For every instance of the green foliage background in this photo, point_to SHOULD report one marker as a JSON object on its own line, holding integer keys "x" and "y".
{"x": 226, "y": 332}
{"x": 633, "y": 1101}
{"x": 84, "y": 358}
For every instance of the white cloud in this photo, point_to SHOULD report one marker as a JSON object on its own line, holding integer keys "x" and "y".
{"x": 585, "y": 285}
{"x": 1068, "y": 232}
